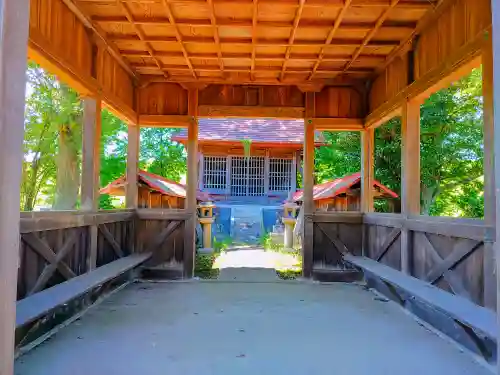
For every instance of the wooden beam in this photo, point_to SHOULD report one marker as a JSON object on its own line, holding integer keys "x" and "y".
{"x": 330, "y": 36}
{"x": 91, "y": 165}
{"x": 14, "y": 21}
{"x": 91, "y": 154}
{"x": 495, "y": 36}
{"x": 178, "y": 35}
{"x": 410, "y": 175}
{"x": 133, "y": 145}
{"x": 101, "y": 35}
{"x": 308, "y": 182}
{"x": 338, "y": 124}
{"x": 250, "y": 111}
{"x": 255, "y": 14}
{"x": 489, "y": 268}
{"x": 367, "y": 169}
{"x": 138, "y": 30}
{"x": 372, "y": 33}
{"x": 164, "y": 121}
{"x": 213, "y": 21}
{"x": 192, "y": 176}
{"x": 291, "y": 39}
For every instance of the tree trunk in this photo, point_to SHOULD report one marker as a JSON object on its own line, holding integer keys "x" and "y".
{"x": 429, "y": 194}
{"x": 68, "y": 172}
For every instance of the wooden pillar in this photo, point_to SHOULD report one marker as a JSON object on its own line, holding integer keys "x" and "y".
{"x": 132, "y": 194}
{"x": 494, "y": 112}
{"x": 367, "y": 169}
{"x": 191, "y": 184}
{"x": 489, "y": 290}
{"x": 410, "y": 175}
{"x": 91, "y": 164}
{"x": 266, "y": 173}
{"x": 308, "y": 182}
{"x": 201, "y": 170}
{"x": 14, "y": 16}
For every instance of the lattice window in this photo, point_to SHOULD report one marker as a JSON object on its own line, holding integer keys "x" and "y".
{"x": 214, "y": 172}
{"x": 247, "y": 176}
{"x": 280, "y": 174}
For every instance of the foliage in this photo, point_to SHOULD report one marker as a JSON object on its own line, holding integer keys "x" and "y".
{"x": 221, "y": 245}
{"x": 203, "y": 266}
{"x": 451, "y": 149}
{"x": 247, "y": 147}
{"x": 53, "y": 137}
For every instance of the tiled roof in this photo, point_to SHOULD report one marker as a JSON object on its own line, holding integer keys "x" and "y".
{"x": 338, "y": 186}
{"x": 257, "y": 130}
{"x": 155, "y": 182}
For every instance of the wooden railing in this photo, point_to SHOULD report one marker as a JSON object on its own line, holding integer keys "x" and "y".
{"x": 446, "y": 252}
{"x": 57, "y": 245}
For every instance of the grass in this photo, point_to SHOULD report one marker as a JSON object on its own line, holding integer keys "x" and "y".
{"x": 285, "y": 273}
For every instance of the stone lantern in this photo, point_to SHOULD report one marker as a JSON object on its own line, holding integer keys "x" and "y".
{"x": 206, "y": 218}
{"x": 290, "y": 210}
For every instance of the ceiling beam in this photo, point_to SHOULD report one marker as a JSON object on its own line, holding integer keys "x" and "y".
{"x": 331, "y": 4}
{"x": 255, "y": 12}
{"x": 296, "y": 21}
{"x": 170, "y": 15}
{"x": 260, "y": 42}
{"x": 311, "y": 57}
{"x": 101, "y": 35}
{"x": 128, "y": 14}
{"x": 331, "y": 34}
{"x": 320, "y": 25}
{"x": 215, "y": 28}
{"x": 371, "y": 34}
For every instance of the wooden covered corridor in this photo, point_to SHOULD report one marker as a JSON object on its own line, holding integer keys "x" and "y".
{"x": 340, "y": 65}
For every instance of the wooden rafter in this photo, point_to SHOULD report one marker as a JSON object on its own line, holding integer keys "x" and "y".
{"x": 254, "y": 35}
{"x": 263, "y": 42}
{"x": 331, "y": 34}
{"x": 378, "y": 4}
{"x": 296, "y": 21}
{"x": 213, "y": 21}
{"x": 373, "y": 59}
{"x": 141, "y": 35}
{"x": 311, "y": 25}
{"x": 372, "y": 33}
{"x": 178, "y": 35}
{"x": 101, "y": 34}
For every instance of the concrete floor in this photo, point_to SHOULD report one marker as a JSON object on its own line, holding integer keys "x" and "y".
{"x": 246, "y": 328}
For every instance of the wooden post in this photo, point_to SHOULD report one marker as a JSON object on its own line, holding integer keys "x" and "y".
{"x": 489, "y": 290}
{"x": 192, "y": 186}
{"x": 132, "y": 194}
{"x": 14, "y": 18}
{"x": 410, "y": 175}
{"x": 494, "y": 105}
{"x": 91, "y": 164}
{"x": 201, "y": 169}
{"x": 367, "y": 171}
{"x": 308, "y": 182}
{"x": 266, "y": 174}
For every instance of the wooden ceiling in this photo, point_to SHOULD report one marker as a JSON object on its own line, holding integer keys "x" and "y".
{"x": 253, "y": 41}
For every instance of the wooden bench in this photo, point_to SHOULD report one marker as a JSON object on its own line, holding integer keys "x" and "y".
{"x": 40, "y": 304}
{"x": 481, "y": 320}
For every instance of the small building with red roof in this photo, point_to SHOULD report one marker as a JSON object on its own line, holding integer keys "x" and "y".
{"x": 275, "y": 149}
{"x": 344, "y": 194}
{"x": 154, "y": 191}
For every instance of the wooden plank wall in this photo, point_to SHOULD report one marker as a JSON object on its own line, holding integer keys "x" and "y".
{"x": 450, "y": 41}
{"x": 250, "y": 101}
{"x": 445, "y": 252}
{"x": 45, "y": 232}
{"x": 60, "y": 43}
